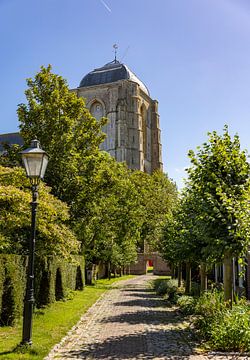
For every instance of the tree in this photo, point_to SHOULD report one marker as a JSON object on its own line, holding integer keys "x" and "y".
{"x": 107, "y": 214}
{"x": 219, "y": 185}
{"x": 157, "y": 196}
{"x": 110, "y": 210}
{"x": 181, "y": 243}
{"x": 65, "y": 128}
{"x": 54, "y": 237}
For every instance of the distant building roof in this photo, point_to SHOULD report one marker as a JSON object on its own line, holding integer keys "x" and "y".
{"x": 11, "y": 138}
{"x": 111, "y": 72}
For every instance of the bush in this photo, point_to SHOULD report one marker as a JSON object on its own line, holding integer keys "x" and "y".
{"x": 210, "y": 308}
{"x": 225, "y": 329}
{"x": 54, "y": 280}
{"x": 187, "y": 304}
{"x": 232, "y": 331}
{"x": 167, "y": 287}
{"x": 210, "y": 303}
{"x": 12, "y": 288}
{"x": 195, "y": 289}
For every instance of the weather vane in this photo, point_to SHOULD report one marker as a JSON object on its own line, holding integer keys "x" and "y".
{"x": 115, "y": 46}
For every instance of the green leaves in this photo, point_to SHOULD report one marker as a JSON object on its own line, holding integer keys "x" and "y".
{"x": 53, "y": 234}
{"x": 218, "y": 187}
{"x": 65, "y": 128}
{"x": 112, "y": 209}
{"x": 212, "y": 217}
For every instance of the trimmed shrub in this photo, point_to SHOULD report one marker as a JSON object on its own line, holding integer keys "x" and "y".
{"x": 7, "y": 317}
{"x": 43, "y": 293}
{"x": 62, "y": 277}
{"x": 79, "y": 278}
{"x": 59, "y": 293}
{"x": 12, "y": 287}
{"x": 47, "y": 288}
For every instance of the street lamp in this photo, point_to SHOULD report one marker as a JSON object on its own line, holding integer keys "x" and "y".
{"x": 35, "y": 161}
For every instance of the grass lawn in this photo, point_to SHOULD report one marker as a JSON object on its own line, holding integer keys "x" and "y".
{"x": 52, "y": 323}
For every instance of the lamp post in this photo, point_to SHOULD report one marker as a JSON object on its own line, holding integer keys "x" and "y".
{"x": 35, "y": 161}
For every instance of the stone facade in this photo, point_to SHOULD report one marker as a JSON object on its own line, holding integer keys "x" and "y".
{"x": 160, "y": 267}
{"x": 133, "y": 131}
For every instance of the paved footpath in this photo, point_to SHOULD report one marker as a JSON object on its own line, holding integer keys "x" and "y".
{"x": 131, "y": 322}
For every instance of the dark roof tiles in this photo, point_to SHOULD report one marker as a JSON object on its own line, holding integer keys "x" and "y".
{"x": 111, "y": 72}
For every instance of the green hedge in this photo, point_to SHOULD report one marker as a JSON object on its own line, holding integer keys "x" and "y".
{"x": 54, "y": 277}
{"x": 12, "y": 287}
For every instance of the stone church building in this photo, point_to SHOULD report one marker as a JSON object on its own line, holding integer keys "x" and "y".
{"x": 133, "y": 131}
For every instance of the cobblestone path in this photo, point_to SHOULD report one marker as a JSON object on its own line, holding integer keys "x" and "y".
{"x": 130, "y": 322}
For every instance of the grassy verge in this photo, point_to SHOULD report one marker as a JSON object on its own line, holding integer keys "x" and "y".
{"x": 51, "y": 324}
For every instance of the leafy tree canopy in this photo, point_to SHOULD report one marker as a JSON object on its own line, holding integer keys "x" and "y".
{"x": 53, "y": 235}
{"x": 218, "y": 185}
{"x": 65, "y": 128}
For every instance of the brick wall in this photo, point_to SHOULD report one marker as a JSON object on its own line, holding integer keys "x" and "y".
{"x": 160, "y": 266}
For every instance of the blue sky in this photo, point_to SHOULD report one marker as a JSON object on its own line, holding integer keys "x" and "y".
{"x": 193, "y": 55}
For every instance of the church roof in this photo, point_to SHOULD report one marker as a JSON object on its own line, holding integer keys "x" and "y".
{"x": 111, "y": 72}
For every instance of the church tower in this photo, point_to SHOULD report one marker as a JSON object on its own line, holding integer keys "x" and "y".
{"x": 133, "y": 130}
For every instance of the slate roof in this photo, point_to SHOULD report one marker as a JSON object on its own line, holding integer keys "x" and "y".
{"x": 11, "y": 138}
{"x": 111, "y": 72}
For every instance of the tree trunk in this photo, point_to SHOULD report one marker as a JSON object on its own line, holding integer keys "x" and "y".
{"x": 109, "y": 270}
{"x": 241, "y": 278}
{"x": 172, "y": 271}
{"x": 216, "y": 273}
{"x": 228, "y": 279}
{"x": 188, "y": 278}
{"x": 179, "y": 274}
{"x": 203, "y": 272}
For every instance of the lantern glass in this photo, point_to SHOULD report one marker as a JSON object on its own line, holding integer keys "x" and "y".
{"x": 35, "y": 161}
{"x": 33, "y": 164}
{"x": 44, "y": 165}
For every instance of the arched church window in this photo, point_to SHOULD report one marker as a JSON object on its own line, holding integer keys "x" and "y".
{"x": 96, "y": 110}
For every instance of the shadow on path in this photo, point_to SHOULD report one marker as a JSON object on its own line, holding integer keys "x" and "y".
{"x": 154, "y": 303}
{"x": 145, "y": 317}
{"x": 148, "y": 295}
{"x": 137, "y": 346}
{"x": 137, "y": 290}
